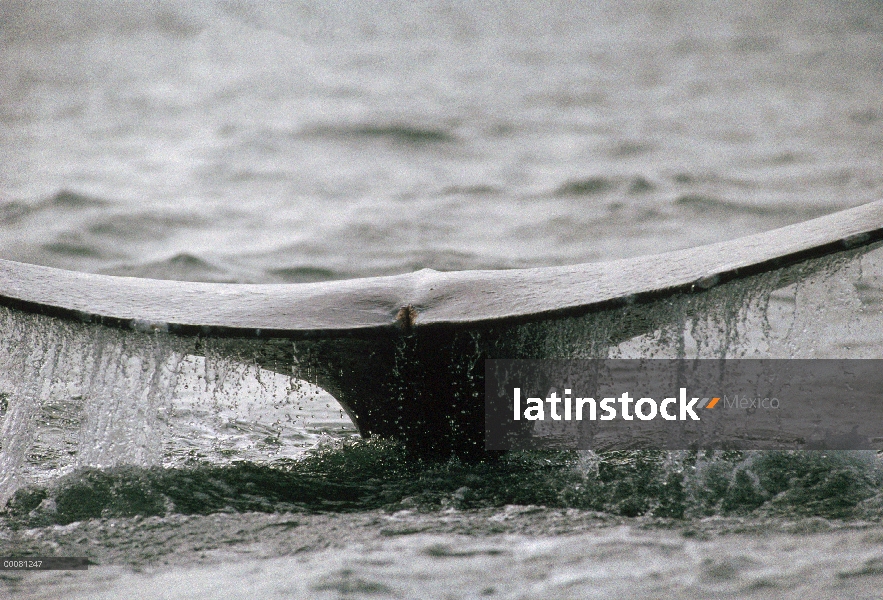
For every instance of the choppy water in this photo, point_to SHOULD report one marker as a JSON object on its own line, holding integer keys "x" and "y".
{"x": 276, "y": 142}
{"x": 259, "y": 142}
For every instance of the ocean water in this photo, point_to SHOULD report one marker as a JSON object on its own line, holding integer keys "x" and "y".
{"x": 287, "y": 142}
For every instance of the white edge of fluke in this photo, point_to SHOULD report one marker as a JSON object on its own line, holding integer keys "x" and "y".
{"x": 424, "y": 299}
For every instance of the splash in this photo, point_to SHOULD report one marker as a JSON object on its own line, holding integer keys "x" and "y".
{"x": 359, "y": 475}
{"x": 76, "y": 396}
{"x": 826, "y": 308}
{"x": 80, "y": 395}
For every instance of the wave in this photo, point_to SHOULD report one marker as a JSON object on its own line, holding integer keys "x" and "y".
{"x": 128, "y": 227}
{"x": 74, "y": 248}
{"x": 70, "y": 199}
{"x": 52, "y": 22}
{"x": 866, "y": 117}
{"x": 639, "y": 185}
{"x": 630, "y": 149}
{"x": 305, "y": 274}
{"x": 585, "y": 187}
{"x": 471, "y": 190}
{"x": 180, "y": 267}
{"x": 591, "y": 186}
{"x": 361, "y": 475}
{"x": 399, "y": 133}
{"x": 120, "y": 428}
{"x": 14, "y": 211}
{"x": 711, "y": 205}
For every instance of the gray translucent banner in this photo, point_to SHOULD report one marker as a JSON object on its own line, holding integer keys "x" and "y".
{"x": 619, "y": 404}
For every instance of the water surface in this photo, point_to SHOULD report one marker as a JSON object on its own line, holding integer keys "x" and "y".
{"x": 279, "y": 142}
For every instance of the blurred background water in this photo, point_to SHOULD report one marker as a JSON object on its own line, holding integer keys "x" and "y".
{"x": 244, "y": 141}
{"x": 298, "y": 141}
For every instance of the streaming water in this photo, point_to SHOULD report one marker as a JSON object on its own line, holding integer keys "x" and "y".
{"x": 289, "y": 142}
{"x": 78, "y": 395}
{"x": 82, "y": 395}
{"x": 148, "y": 422}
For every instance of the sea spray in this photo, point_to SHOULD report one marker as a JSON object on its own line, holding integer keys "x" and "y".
{"x": 80, "y": 395}
{"x": 226, "y": 407}
{"x": 27, "y": 365}
{"x": 726, "y": 321}
{"x": 816, "y": 309}
{"x": 359, "y": 475}
{"x": 86, "y": 404}
{"x": 127, "y": 397}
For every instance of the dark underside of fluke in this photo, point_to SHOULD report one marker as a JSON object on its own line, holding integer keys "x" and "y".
{"x": 405, "y": 354}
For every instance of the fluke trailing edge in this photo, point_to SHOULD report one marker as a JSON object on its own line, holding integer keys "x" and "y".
{"x": 404, "y": 354}
{"x": 423, "y": 299}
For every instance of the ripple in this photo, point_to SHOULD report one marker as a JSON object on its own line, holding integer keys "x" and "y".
{"x": 585, "y": 187}
{"x": 181, "y": 267}
{"x": 304, "y": 274}
{"x": 709, "y": 204}
{"x": 398, "y": 133}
